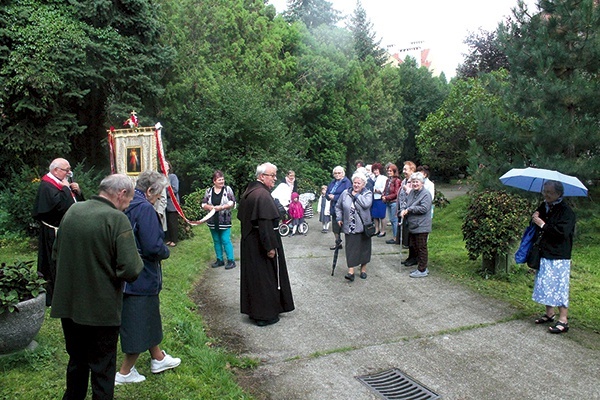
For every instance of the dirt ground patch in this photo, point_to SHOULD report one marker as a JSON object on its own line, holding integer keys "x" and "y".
{"x": 209, "y": 306}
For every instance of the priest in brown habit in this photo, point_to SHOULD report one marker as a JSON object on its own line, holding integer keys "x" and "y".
{"x": 265, "y": 285}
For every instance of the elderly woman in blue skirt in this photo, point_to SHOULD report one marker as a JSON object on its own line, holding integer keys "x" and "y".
{"x": 556, "y": 221}
{"x": 378, "y": 209}
{"x": 141, "y": 325}
{"x": 353, "y": 211}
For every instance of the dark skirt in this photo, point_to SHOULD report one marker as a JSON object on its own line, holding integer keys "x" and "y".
{"x": 358, "y": 249}
{"x": 141, "y": 326}
{"x": 378, "y": 209}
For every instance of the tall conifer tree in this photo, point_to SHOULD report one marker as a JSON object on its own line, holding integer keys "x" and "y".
{"x": 365, "y": 42}
{"x": 312, "y": 12}
{"x": 554, "y": 60}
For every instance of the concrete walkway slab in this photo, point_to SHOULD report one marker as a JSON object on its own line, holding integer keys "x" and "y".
{"x": 457, "y": 343}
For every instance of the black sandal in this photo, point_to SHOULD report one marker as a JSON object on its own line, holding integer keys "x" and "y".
{"x": 545, "y": 319}
{"x": 560, "y": 327}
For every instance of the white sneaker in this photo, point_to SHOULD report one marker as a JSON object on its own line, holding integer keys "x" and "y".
{"x": 166, "y": 363}
{"x": 419, "y": 274}
{"x": 132, "y": 377}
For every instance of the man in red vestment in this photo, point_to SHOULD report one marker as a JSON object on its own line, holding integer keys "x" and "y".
{"x": 54, "y": 197}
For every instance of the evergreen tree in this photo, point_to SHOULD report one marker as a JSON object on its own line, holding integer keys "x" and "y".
{"x": 554, "y": 83}
{"x": 63, "y": 64}
{"x": 365, "y": 42}
{"x": 313, "y": 13}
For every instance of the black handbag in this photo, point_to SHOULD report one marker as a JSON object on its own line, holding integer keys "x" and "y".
{"x": 368, "y": 229}
{"x": 533, "y": 256}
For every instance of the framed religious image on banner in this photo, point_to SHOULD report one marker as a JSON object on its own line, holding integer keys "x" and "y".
{"x": 133, "y": 160}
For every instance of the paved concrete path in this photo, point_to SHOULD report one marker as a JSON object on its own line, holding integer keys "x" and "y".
{"x": 457, "y": 343}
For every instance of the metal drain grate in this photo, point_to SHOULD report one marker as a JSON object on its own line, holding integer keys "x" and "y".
{"x": 395, "y": 385}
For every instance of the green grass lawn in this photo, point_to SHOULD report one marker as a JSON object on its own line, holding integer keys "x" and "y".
{"x": 207, "y": 370}
{"x": 448, "y": 255}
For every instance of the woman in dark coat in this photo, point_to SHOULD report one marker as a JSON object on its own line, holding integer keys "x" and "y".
{"x": 265, "y": 290}
{"x": 556, "y": 222}
{"x": 141, "y": 326}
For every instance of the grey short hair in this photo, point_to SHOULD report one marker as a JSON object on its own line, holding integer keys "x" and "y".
{"x": 417, "y": 176}
{"x": 339, "y": 167}
{"x": 262, "y": 168}
{"x": 558, "y": 187}
{"x": 56, "y": 163}
{"x": 360, "y": 176}
{"x": 113, "y": 184}
{"x": 152, "y": 180}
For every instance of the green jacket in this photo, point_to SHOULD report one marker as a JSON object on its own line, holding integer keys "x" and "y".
{"x": 95, "y": 252}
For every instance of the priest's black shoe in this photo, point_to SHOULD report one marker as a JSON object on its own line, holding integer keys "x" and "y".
{"x": 265, "y": 322}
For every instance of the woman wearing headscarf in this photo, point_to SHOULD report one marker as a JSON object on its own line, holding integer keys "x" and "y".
{"x": 353, "y": 211}
{"x": 335, "y": 188}
{"x": 556, "y": 223}
{"x": 220, "y": 198}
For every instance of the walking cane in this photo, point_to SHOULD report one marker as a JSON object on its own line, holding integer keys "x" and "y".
{"x": 399, "y": 238}
{"x": 338, "y": 242}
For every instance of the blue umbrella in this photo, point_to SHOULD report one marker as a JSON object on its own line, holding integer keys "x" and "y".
{"x": 532, "y": 179}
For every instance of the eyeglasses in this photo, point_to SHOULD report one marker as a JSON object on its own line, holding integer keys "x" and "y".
{"x": 337, "y": 173}
{"x": 271, "y": 175}
{"x": 64, "y": 169}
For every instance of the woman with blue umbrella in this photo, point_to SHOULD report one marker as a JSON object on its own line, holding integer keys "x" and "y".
{"x": 556, "y": 224}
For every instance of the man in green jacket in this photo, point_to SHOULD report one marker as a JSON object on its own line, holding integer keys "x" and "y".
{"x": 95, "y": 252}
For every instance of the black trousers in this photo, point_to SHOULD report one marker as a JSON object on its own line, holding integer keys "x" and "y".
{"x": 46, "y": 265}
{"x": 91, "y": 349}
{"x": 172, "y": 226}
{"x": 406, "y": 241}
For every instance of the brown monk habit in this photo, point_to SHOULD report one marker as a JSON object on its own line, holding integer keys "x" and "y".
{"x": 265, "y": 286}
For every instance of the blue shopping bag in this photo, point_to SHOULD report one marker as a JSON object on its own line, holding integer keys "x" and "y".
{"x": 526, "y": 243}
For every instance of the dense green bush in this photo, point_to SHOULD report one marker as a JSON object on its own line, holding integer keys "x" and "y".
{"x": 192, "y": 205}
{"x": 192, "y": 209}
{"x": 493, "y": 223}
{"x": 17, "y": 196}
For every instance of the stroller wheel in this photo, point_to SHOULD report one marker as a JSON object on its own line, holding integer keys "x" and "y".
{"x": 303, "y": 228}
{"x": 284, "y": 230}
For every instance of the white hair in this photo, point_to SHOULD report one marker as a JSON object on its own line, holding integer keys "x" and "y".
{"x": 417, "y": 176}
{"x": 360, "y": 176}
{"x": 339, "y": 168}
{"x": 262, "y": 168}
